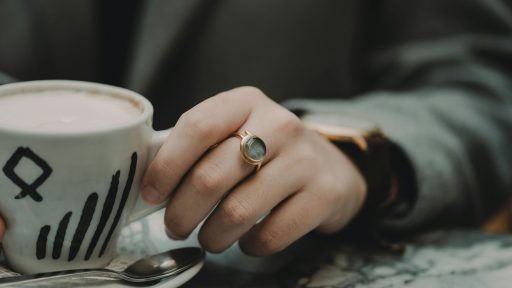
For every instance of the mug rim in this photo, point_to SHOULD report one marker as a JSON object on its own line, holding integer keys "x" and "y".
{"x": 114, "y": 91}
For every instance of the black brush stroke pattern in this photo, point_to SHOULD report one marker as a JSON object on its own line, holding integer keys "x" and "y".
{"x": 27, "y": 189}
{"x": 41, "y": 242}
{"x": 61, "y": 234}
{"x": 105, "y": 213}
{"x": 83, "y": 225}
{"x": 122, "y": 203}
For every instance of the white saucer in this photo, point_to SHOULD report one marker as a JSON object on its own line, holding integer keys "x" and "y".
{"x": 138, "y": 239}
{"x": 147, "y": 237}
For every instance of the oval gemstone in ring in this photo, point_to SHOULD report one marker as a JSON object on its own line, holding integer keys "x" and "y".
{"x": 255, "y": 148}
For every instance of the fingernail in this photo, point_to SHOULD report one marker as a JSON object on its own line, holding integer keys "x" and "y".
{"x": 150, "y": 195}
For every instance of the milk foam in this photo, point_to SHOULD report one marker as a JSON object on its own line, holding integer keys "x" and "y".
{"x": 64, "y": 111}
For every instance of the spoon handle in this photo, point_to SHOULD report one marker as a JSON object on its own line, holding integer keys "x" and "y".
{"x": 97, "y": 273}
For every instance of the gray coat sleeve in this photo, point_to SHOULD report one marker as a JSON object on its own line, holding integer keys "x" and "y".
{"x": 440, "y": 85}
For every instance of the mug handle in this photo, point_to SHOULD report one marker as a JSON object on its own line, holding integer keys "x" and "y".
{"x": 141, "y": 208}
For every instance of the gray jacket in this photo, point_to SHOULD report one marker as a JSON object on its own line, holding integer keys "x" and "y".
{"x": 435, "y": 75}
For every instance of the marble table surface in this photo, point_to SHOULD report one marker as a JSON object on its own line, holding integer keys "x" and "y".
{"x": 457, "y": 258}
{"x": 444, "y": 259}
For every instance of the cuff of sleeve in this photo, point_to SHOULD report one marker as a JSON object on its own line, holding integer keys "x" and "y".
{"x": 401, "y": 124}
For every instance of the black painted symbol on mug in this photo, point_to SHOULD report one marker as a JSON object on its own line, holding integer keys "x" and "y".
{"x": 26, "y": 188}
{"x": 85, "y": 220}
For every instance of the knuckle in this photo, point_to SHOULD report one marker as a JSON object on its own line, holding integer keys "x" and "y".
{"x": 291, "y": 124}
{"x": 195, "y": 125}
{"x": 307, "y": 157}
{"x": 328, "y": 184}
{"x": 322, "y": 183}
{"x": 224, "y": 99}
{"x": 184, "y": 118}
{"x": 235, "y": 212}
{"x": 162, "y": 168}
{"x": 268, "y": 242}
{"x": 327, "y": 192}
{"x": 253, "y": 92}
{"x": 314, "y": 199}
{"x": 207, "y": 179}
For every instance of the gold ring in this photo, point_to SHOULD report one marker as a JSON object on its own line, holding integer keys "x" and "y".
{"x": 252, "y": 148}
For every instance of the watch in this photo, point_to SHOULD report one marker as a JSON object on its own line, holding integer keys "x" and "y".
{"x": 384, "y": 166}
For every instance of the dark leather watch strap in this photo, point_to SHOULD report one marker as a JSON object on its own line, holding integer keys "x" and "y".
{"x": 390, "y": 181}
{"x": 374, "y": 165}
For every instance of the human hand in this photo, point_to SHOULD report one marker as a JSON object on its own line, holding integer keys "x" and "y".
{"x": 305, "y": 182}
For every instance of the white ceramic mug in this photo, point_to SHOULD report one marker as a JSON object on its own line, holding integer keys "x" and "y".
{"x": 66, "y": 196}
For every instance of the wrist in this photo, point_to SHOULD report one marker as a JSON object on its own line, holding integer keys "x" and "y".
{"x": 373, "y": 163}
{"x": 385, "y": 168}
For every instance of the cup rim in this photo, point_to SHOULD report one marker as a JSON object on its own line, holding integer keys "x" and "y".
{"x": 30, "y": 86}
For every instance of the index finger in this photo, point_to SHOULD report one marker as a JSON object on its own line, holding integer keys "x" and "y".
{"x": 203, "y": 126}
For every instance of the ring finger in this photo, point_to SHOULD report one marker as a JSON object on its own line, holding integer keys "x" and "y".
{"x": 207, "y": 182}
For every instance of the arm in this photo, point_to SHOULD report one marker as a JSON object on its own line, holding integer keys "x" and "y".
{"x": 441, "y": 93}
{"x": 441, "y": 87}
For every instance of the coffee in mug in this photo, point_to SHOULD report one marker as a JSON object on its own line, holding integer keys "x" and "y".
{"x": 72, "y": 155}
{"x": 64, "y": 111}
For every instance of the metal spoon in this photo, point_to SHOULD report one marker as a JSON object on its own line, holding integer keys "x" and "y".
{"x": 152, "y": 268}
